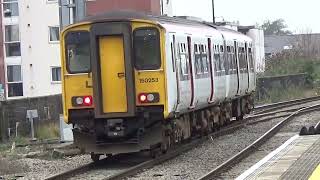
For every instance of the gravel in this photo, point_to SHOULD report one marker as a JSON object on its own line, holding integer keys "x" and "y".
{"x": 41, "y": 169}
{"x": 286, "y": 133}
{"x": 197, "y": 162}
{"x": 112, "y": 167}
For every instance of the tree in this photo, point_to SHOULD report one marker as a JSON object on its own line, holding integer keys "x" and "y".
{"x": 276, "y": 27}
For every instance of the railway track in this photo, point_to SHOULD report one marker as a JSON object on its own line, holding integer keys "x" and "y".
{"x": 262, "y": 114}
{"x": 253, "y": 147}
{"x": 274, "y": 106}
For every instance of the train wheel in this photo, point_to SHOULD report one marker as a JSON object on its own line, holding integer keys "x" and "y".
{"x": 154, "y": 153}
{"x": 95, "y": 157}
{"x": 239, "y": 118}
{"x": 166, "y": 134}
{"x": 165, "y": 146}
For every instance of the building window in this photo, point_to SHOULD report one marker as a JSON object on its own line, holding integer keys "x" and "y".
{"x": 56, "y": 74}
{"x": 54, "y": 32}
{"x": 10, "y": 8}
{"x": 14, "y": 78}
{"x": 12, "y": 33}
{"x": 12, "y": 40}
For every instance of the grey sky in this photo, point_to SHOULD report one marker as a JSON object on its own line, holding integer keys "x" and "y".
{"x": 300, "y": 16}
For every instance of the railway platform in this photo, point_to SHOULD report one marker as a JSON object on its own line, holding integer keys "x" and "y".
{"x": 297, "y": 158}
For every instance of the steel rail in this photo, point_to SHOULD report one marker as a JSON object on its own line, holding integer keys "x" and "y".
{"x": 274, "y": 106}
{"x": 253, "y": 147}
{"x": 75, "y": 171}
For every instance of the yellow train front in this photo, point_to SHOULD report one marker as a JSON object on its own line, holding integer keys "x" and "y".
{"x": 113, "y": 84}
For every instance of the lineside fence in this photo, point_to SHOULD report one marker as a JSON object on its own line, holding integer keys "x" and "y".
{"x": 266, "y": 84}
{"x": 15, "y": 115}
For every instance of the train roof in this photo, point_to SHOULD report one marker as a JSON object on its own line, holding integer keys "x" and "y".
{"x": 131, "y": 15}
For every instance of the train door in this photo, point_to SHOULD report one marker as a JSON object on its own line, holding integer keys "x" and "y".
{"x": 247, "y": 68}
{"x": 237, "y": 66}
{"x": 182, "y": 72}
{"x": 210, "y": 100}
{"x": 175, "y": 68}
{"x": 112, "y": 69}
{"x": 252, "y": 79}
{"x": 192, "y": 103}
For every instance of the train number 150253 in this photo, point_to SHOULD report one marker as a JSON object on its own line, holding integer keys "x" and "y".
{"x": 149, "y": 80}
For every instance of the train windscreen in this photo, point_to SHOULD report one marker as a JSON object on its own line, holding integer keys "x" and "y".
{"x": 147, "y": 49}
{"x": 78, "y": 52}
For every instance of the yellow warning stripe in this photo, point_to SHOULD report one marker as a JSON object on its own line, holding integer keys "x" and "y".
{"x": 316, "y": 174}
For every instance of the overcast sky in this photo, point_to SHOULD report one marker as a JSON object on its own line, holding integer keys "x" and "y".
{"x": 300, "y": 16}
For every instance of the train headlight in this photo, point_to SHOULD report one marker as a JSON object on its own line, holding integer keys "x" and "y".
{"x": 79, "y": 100}
{"x": 149, "y": 97}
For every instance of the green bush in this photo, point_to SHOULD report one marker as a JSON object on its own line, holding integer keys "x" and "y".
{"x": 47, "y": 131}
{"x": 276, "y": 67}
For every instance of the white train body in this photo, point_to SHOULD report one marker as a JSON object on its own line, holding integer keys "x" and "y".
{"x": 232, "y": 76}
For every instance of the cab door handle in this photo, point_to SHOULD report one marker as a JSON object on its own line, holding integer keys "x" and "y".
{"x": 121, "y": 75}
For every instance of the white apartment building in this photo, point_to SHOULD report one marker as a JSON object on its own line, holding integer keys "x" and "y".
{"x": 31, "y": 48}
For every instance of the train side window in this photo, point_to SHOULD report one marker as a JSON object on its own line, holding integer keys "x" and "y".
{"x": 243, "y": 59}
{"x": 184, "y": 67}
{"x": 251, "y": 62}
{"x": 204, "y": 59}
{"x": 216, "y": 60}
{"x": 173, "y": 57}
{"x": 246, "y": 58}
{"x": 197, "y": 59}
{"x": 234, "y": 60}
{"x": 240, "y": 58}
{"x": 146, "y": 42}
{"x": 222, "y": 58}
{"x": 228, "y": 61}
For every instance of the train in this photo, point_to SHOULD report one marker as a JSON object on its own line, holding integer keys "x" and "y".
{"x": 134, "y": 82}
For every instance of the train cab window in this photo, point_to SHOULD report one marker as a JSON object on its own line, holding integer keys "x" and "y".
{"x": 146, "y": 43}
{"x": 78, "y": 52}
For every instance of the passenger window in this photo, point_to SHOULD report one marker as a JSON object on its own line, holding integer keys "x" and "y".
{"x": 251, "y": 62}
{"x": 222, "y": 58}
{"x": 197, "y": 58}
{"x": 173, "y": 57}
{"x": 234, "y": 60}
{"x": 184, "y": 67}
{"x": 204, "y": 59}
{"x": 146, "y": 43}
{"x": 216, "y": 59}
